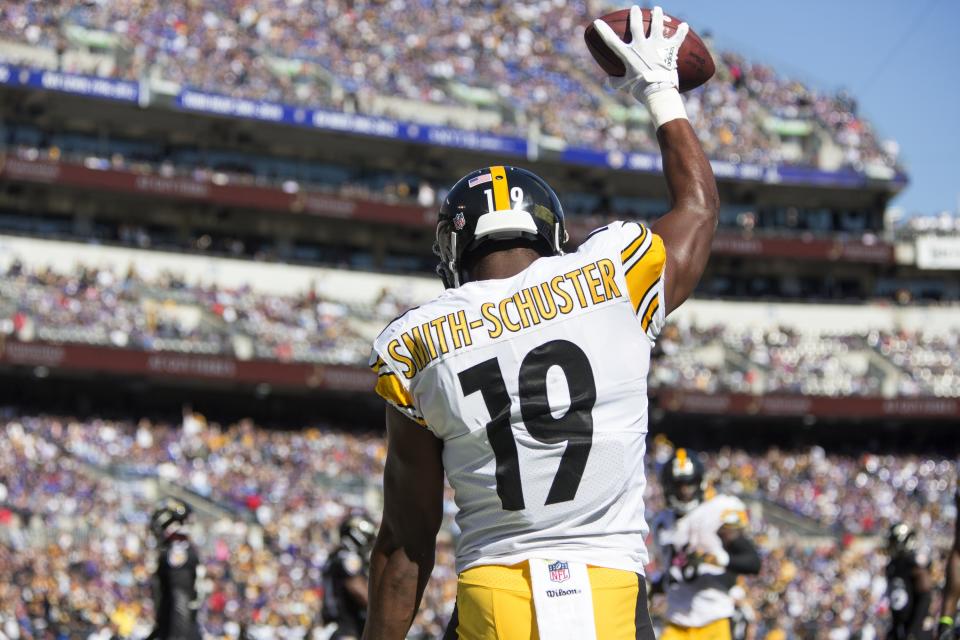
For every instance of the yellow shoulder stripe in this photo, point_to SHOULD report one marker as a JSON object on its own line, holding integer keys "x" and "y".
{"x": 651, "y": 310}
{"x": 645, "y": 271}
{"x": 390, "y": 389}
{"x": 631, "y": 248}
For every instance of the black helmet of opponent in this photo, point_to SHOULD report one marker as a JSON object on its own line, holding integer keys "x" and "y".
{"x": 901, "y": 539}
{"x": 170, "y": 513}
{"x": 357, "y": 533}
{"x": 683, "y": 469}
{"x": 495, "y": 203}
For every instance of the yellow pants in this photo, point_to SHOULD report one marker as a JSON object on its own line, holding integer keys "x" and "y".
{"x": 717, "y": 630}
{"x": 496, "y": 603}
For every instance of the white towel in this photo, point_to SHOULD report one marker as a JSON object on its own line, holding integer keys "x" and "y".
{"x": 563, "y": 600}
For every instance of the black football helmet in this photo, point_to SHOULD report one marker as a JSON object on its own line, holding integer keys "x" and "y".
{"x": 683, "y": 468}
{"x": 901, "y": 539}
{"x": 495, "y": 203}
{"x": 170, "y": 512}
{"x": 357, "y": 533}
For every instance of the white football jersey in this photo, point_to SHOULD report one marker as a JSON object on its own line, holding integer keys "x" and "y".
{"x": 706, "y": 598}
{"x": 537, "y": 385}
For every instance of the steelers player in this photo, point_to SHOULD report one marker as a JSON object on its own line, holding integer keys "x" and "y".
{"x": 525, "y": 381}
{"x": 909, "y": 585}
{"x": 702, "y": 550}
{"x": 174, "y": 584}
{"x": 948, "y": 627}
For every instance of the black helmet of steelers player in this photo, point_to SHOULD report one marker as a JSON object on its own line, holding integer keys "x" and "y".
{"x": 168, "y": 517}
{"x": 496, "y": 203}
{"x": 901, "y": 539}
{"x": 357, "y": 533}
{"x": 683, "y": 483}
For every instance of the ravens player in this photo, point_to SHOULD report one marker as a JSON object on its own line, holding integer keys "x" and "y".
{"x": 174, "y": 584}
{"x": 703, "y": 548}
{"x": 948, "y": 629}
{"x": 526, "y": 382}
{"x": 345, "y": 579}
{"x": 908, "y": 584}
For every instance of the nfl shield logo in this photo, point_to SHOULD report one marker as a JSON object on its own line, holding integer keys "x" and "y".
{"x": 459, "y": 222}
{"x": 559, "y": 571}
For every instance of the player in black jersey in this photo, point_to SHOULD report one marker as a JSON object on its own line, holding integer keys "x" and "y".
{"x": 908, "y": 585}
{"x": 948, "y": 628}
{"x": 174, "y": 584}
{"x": 345, "y": 579}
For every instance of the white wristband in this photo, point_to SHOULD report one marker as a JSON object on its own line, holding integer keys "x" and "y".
{"x": 664, "y": 106}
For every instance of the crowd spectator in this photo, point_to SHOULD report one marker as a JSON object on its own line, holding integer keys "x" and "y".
{"x": 75, "y": 495}
{"x": 165, "y": 313}
{"x": 525, "y": 64}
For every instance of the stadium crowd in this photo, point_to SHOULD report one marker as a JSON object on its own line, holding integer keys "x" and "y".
{"x": 351, "y": 55}
{"x": 75, "y": 495}
{"x": 123, "y": 309}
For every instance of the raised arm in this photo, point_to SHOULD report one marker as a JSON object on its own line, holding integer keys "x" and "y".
{"x": 651, "y": 77}
{"x": 687, "y": 229}
{"x": 404, "y": 552}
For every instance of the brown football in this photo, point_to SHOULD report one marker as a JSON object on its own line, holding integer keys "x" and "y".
{"x": 694, "y": 66}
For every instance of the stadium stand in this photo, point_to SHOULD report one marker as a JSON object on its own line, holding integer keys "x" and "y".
{"x": 76, "y": 494}
{"x": 156, "y": 302}
{"x": 323, "y": 225}
{"x": 297, "y": 54}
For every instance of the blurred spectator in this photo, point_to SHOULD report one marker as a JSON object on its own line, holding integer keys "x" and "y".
{"x": 76, "y": 497}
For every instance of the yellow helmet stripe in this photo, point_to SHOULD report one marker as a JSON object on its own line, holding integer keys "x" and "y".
{"x": 501, "y": 191}
{"x": 681, "y": 457}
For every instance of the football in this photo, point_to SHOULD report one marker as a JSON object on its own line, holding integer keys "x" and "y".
{"x": 695, "y": 64}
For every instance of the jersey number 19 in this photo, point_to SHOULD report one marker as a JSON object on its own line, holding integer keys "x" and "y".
{"x": 574, "y": 427}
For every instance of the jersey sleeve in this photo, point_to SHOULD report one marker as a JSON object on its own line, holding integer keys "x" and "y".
{"x": 734, "y": 513}
{"x": 393, "y": 386}
{"x": 644, "y": 259}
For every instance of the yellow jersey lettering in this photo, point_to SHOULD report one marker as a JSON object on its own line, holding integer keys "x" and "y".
{"x": 413, "y": 341}
{"x": 524, "y": 302}
{"x": 567, "y": 305}
{"x": 459, "y": 329}
{"x": 574, "y": 278}
{"x": 607, "y": 273}
{"x": 593, "y": 282}
{"x": 428, "y": 338}
{"x": 394, "y": 350}
{"x": 487, "y": 311}
{"x": 507, "y": 322}
{"x": 546, "y": 305}
{"x": 437, "y": 324}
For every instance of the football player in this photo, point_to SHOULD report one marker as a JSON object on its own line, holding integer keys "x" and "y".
{"x": 175, "y": 595}
{"x": 948, "y": 629}
{"x": 908, "y": 585}
{"x": 703, "y": 549}
{"x": 525, "y": 381}
{"x": 345, "y": 579}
